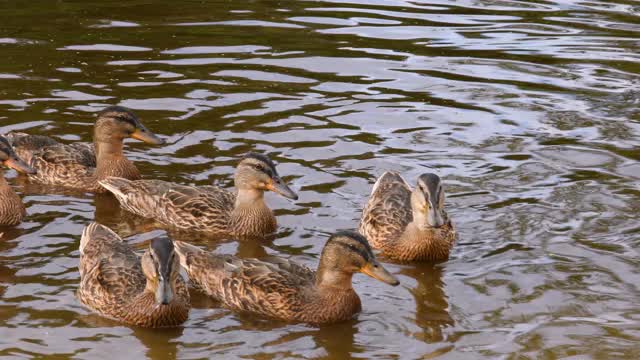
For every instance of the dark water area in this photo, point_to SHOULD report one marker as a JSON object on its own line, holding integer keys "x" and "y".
{"x": 529, "y": 111}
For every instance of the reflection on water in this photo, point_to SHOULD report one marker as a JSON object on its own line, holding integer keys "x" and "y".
{"x": 527, "y": 109}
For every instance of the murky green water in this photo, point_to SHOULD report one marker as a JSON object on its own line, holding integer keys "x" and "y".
{"x": 528, "y": 109}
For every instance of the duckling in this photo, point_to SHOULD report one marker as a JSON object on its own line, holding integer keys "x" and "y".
{"x": 208, "y": 208}
{"x": 116, "y": 283}
{"x": 12, "y": 210}
{"x": 82, "y": 165}
{"x": 282, "y": 289}
{"x": 408, "y": 225}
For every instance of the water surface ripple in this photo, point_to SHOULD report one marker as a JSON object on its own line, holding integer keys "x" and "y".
{"x": 527, "y": 109}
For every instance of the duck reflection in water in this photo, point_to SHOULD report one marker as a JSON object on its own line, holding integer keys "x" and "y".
{"x": 8, "y": 236}
{"x": 160, "y": 343}
{"x": 432, "y": 314}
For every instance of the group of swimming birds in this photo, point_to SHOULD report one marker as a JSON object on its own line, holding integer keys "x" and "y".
{"x": 402, "y": 223}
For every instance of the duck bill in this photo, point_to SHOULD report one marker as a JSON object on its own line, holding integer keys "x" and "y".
{"x": 19, "y": 165}
{"x": 376, "y": 271}
{"x": 164, "y": 294}
{"x": 434, "y": 218}
{"x": 278, "y": 186}
{"x": 147, "y": 136}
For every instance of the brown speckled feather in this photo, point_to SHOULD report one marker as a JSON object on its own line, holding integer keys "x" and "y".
{"x": 388, "y": 211}
{"x": 271, "y": 287}
{"x": 385, "y": 221}
{"x": 203, "y": 208}
{"x": 112, "y": 283}
{"x": 12, "y": 210}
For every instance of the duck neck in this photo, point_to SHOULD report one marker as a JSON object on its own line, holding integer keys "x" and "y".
{"x": 419, "y": 222}
{"x": 250, "y": 215}
{"x": 330, "y": 279}
{"x": 110, "y": 161}
{"x": 249, "y": 198}
{"x": 106, "y": 150}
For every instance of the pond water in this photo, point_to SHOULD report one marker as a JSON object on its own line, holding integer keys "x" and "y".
{"x": 528, "y": 110}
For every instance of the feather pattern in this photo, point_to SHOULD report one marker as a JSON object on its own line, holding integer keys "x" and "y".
{"x": 387, "y": 223}
{"x": 271, "y": 287}
{"x": 12, "y": 210}
{"x": 114, "y": 285}
{"x": 203, "y": 208}
{"x": 69, "y": 165}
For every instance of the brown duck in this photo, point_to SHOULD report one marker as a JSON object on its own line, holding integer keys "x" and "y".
{"x": 116, "y": 283}
{"x": 208, "y": 208}
{"x": 12, "y": 210}
{"x": 82, "y": 165}
{"x": 408, "y": 224}
{"x": 284, "y": 290}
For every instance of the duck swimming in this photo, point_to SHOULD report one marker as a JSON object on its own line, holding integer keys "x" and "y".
{"x": 243, "y": 213}
{"x": 408, "y": 224}
{"x": 116, "y": 283}
{"x": 282, "y": 289}
{"x": 82, "y": 165}
{"x": 12, "y": 210}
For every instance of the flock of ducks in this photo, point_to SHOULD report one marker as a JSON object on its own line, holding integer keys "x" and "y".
{"x": 401, "y": 223}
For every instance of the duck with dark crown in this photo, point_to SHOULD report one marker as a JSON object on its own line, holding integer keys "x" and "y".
{"x": 406, "y": 224}
{"x": 82, "y": 165}
{"x": 243, "y": 213}
{"x": 281, "y": 289}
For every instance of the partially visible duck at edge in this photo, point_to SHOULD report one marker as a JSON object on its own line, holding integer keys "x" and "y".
{"x": 12, "y": 210}
{"x": 406, "y": 224}
{"x": 82, "y": 165}
{"x": 211, "y": 209}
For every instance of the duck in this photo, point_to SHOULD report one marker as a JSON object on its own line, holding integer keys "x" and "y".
{"x": 12, "y": 210}
{"x": 408, "y": 224}
{"x": 243, "y": 213}
{"x": 81, "y": 165}
{"x": 281, "y": 289}
{"x": 145, "y": 291}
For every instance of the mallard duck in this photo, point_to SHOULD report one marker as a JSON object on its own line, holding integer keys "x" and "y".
{"x": 116, "y": 283}
{"x": 12, "y": 210}
{"x": 208, "y": 208}
{"x": 284, "y": 290}
{"x": 408, "y": 224}
{"x": 82, "y": 165}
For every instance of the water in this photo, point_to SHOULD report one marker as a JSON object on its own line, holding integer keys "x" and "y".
{"x": 527, "y": 109}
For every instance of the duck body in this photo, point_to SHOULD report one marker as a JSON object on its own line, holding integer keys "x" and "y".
{"x": 281, "y": 289}
{"x": 207, "y": 208}
{"x": 203, "y": 208}
{"x": 12, "y": 210}
{"x": 118, "y": 284}
{"x": 82, "y": 165}
{"x": 408, "y": 224}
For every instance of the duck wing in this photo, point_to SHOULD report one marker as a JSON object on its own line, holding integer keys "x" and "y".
{"x": 388, "y": 211}
{"x": 273, "y": 287}
{"x": 110, "y": 271}
{"x": 27, "y": 146}
{"x": 187, "y": 207}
